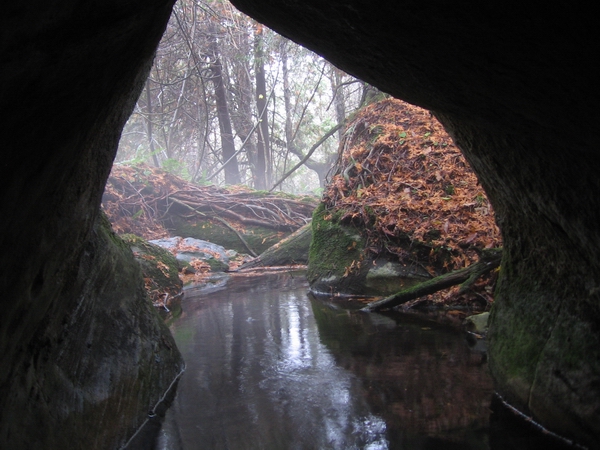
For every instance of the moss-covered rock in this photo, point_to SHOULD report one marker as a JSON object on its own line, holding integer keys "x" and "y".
{"x": 339, "y": 262}
{"x": 110, "y": 363}
{"x": 291, "y": 250}
{"x": 83, "y": 354}
{"x": 478, "y": 323}
{"x": 258, "y": 238}
{"x": 336, "y": 251}
{"x": 159, "y": 268}
{"x": 545, "y": 341}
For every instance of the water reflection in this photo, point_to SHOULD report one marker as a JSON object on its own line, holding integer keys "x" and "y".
{"x": 270, "y": 368}
{"x": 422, "y": 379}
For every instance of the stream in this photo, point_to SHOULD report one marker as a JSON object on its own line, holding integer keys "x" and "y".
{"x": 271, "y": 367}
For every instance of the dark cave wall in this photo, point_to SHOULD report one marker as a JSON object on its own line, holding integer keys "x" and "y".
{"x": 516, "y": 86}
{"x": 544, "y": 334}
{"x": 92, "y": 383}
{"x": 71, "y": 73}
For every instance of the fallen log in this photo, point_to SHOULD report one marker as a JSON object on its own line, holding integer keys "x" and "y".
{"x": 289, "y": 251}
{"x": 142, "y": 199}
{"x": 270, "y": 269}
{"x": 489, "y": 260}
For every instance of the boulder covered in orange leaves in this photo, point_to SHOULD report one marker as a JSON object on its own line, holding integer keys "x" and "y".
{"x": 402, "y": 207}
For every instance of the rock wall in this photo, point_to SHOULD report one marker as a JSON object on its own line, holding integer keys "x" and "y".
{"x": 83, "y": 357}
{"x": 93, "y": 381}
{"x": 515, "y": 86}
{"x": 339, "y": 263}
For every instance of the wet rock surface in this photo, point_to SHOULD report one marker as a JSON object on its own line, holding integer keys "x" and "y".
{"x": 186, "y": 250}
{"x": 112, "y": 358}
{"x": 83, "y": 354}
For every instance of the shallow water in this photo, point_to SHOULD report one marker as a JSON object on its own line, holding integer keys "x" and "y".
{"x": 270, "y": 367}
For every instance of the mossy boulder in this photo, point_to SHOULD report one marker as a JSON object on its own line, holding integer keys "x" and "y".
{"x": 335, "y": 253}
{"x": 84, "y": 357}
{"x": 160, "y": 268}
{"x": 340, "y": 264}
{"x": 258, "y": 238}
{"x": 110, "y": 363}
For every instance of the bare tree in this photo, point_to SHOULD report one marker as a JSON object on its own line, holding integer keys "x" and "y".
{"x": 232, "y": 173}
{"x": 228, "y": 102}
{"x": 263, "y": 141}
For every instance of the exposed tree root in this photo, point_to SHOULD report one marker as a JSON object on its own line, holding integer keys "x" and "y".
{"x": 139, "y": 199}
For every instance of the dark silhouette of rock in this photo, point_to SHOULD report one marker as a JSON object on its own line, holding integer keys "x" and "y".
{"x": 515, "y": 85}
{"x": 84, "y": 357}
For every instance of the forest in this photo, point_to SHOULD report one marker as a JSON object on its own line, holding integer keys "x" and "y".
{"x": 228, "y": 101}
{"x": 232, "y": 110}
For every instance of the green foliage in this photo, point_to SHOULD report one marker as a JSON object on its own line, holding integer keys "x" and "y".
{"x": 402, "y": 136}
{"x": 176, "y": 167}
{"x": 141, "y": 156}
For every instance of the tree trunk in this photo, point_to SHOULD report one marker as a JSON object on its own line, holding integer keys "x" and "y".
{"x": 287, "y": 102}
{"x": 289, "y": 251}
{"x": 262, "y": 156}
{"x": 339, "y": 98}
{"x": 244, "y": 102}
{"x": 149, "y": 124}
{"x": 232, "y": 173}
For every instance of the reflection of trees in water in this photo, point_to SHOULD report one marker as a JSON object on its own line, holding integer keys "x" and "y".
{"x": 421, "y": 381}
{"x": 306, "y": 387}
{"x": 259, "y": 377}
{"x": 268, "y": 369}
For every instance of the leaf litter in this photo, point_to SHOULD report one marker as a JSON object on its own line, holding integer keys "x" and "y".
{"x": 400, "y": 177}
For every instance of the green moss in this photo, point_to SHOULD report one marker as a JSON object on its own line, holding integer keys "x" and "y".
{"x": 335, "y": 249}
{"x": 523, "y": 325}
{"x": 109, "y": 364}
{"x": 158, "y": 265}
{"x": 519, "y": 330}
{"x": 216, "y": 265}
{"x": 119, "y": 254}
{"x": 105, "y": 227}
{"x": 340, "y": 262}
{"x": 311, "y": 199}
{"x": 258, "y": 238}
{"x": 291, "y": 250}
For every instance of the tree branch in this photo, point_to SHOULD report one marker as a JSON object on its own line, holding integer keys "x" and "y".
{"x": 308, "y": 155}
{"x": 490, "y": 259}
